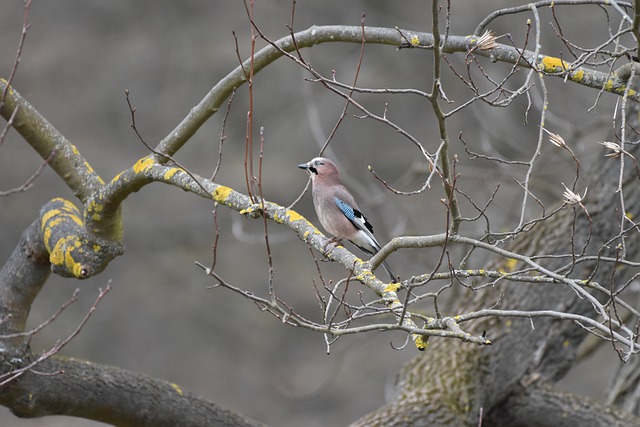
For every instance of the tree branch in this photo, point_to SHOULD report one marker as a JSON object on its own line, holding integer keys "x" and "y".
{"x": 66, "y": 160}
{"x": 542, "y": 405}
{"x": 212, "y": 102}
{"x": 72, "y": 387}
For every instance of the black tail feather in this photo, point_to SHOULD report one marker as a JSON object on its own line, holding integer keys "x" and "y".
{"x": 394, "y": 278}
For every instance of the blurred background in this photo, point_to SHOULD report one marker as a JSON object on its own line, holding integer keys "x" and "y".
{"x": 161, "y": 318}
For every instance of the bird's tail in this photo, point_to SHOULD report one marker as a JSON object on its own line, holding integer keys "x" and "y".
{"x": 394, "y": 278}
{"x": 373, "y": 248}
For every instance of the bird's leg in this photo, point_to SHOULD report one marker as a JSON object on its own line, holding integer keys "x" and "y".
{"x": 332, "y": 241}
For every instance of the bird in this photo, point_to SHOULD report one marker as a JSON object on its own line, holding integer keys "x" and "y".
{"x": 338, "y": 211}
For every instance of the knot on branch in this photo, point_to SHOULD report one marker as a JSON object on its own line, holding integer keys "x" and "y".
{"x": 254, "y": 211}
{"x": 72, "y": 251}
{"x": 624, "y": 72}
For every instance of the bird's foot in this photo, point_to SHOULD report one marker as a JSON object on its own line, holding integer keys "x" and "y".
{"x": 332, "y": 241}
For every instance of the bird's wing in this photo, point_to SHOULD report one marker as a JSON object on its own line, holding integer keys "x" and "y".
{"x": 358, "y": 220}
{"x": 364, "y": 238}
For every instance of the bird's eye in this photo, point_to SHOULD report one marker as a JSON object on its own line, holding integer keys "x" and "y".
{"x": 318, "y": 163}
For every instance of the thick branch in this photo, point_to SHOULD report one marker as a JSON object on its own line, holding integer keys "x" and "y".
{"x": 110, "y": 395}
{"x": 212, "y": 102}
{"x": 544, "y": 406}
{"x": 72, "y": 251}
{"x": 21, "y": 279}
{"x": 46, "y": 140}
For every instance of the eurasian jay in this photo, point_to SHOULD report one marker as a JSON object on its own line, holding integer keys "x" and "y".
{"x": 337, "y": 210}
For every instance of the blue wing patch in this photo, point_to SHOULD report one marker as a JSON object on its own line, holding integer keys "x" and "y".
{"x": 353, "y": 215}
{"x": 346, "y": 209}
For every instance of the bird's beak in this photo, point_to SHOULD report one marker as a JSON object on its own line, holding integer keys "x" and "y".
{"x": 304, "y": 166}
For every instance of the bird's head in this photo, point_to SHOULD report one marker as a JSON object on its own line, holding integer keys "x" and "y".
{"x": 319, "y": 167}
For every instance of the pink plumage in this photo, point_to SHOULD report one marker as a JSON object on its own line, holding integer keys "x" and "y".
{"x": 337, "y": 210}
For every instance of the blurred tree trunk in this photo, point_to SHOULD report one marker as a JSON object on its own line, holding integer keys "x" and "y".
{"x": 511, "y": 382}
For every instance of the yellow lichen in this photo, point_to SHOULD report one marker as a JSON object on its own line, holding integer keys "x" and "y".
{"x": 422, "y": 342}
{"x": 511, "y": 264}
{"x": 47, "y": 238}
{"x": 392, "y": 287}
{"x": 252, "y": 209}
{"x": 578, "y": 76}
{"x": 365, "y": 276}
{"x": 67, "y": 206}
{"x": 54, "y": 217}
{"x": 93, "y": 172}
{"x": 551, "y": 64}
{"x": 76, "y": 219}
{"x": 88, "y": 167}
{"x": 4, "y": 82}
{"x": 608, "y": 86}
{"x": 177, "y": 388}
{"x": 221, "y": 193}
{"x": 55, "y": 221}
{"x": 95, "y": 209}
{"x": 170, "y": 173}
{"x": 57, "y": 255}
{"x": 77, "y": 269}
{"x": 293, "y": 215}
{"x": 72, "y": 265}
{"x": 415, "y": 40}
{"x": 50, "y": 214}
{"x": 143, "y": 165}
